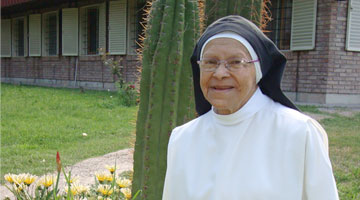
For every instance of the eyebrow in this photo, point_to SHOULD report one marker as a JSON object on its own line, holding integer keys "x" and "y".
{"x": 230, "y": 57}
{"x": 239, "y": 55}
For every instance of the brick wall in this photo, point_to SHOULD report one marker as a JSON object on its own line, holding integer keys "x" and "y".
{"x": 307, "y": 70}
{"x": 89, "y": 68}
{"x": 344, "y": 66}
{"x": 329, "y": 68}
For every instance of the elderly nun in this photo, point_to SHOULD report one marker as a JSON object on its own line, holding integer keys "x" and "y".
{"x": 249, "y": 141}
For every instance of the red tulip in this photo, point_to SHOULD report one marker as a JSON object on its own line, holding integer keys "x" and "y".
{"x": 58, "y": 161}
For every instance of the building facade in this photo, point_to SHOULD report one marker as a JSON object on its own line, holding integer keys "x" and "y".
{"x": 55, "y": 43}
{"x": 58, "y": 43}
{"x": 321, "y": 40}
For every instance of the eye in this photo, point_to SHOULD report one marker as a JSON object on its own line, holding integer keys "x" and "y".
{"x": 235, "y": 62}
{"x": 210, "y": 62}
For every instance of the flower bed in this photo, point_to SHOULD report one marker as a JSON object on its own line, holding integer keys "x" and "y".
{"x": 107, "y": 185}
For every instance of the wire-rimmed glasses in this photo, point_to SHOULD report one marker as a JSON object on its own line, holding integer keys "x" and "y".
{"x": 210, "y": 64}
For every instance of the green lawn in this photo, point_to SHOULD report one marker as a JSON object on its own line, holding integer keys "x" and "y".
{"x": 344, "y": 144}
{"x": 36, "y": 122}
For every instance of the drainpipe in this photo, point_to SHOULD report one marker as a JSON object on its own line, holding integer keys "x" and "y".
{"x": 297, "y": 76}
{"x": 75, "y": 2}
{"x": 76, "y": 68}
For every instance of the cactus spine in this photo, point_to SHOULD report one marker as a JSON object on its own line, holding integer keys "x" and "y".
{"x": 166, "y": 97}
{"x": 250, "y": 9}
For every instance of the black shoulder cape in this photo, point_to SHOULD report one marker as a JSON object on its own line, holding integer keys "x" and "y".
{"x": 272, "y": 61}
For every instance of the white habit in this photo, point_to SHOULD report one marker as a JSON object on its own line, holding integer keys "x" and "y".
{"x": 264, "y": 151}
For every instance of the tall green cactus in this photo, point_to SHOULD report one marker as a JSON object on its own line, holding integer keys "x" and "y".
{"x": 250, "y": 9}
{"x": 166, "y": 93}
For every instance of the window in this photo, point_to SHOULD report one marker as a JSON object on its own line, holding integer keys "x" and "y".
{"x": 50, "y": 34}
{"x": 135, "y": 28}
{"x": 19, "y": 37}
{"x": 92, "y": 29}
{"x": 279, "y": 28}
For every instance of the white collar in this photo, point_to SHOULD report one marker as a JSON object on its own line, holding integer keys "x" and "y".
{"x": 254, "y": 104}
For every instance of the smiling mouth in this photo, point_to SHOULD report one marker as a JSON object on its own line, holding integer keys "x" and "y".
{"x": 222, "y": 88}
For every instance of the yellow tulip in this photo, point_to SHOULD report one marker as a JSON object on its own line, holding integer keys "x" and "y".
{"x": 126, "y": 192}
{"x": 9, "y": 178}
{"x": 83, "y": 189}
{"x": 101, "y": 177}
{"x": 19, "y": 187}
{"x": 29, "y": 179}
{"x": 109, "y": 177}
{"x": 123, "y": 182}
{"x": 74, "y": 179}
{"x": 110, "y": 168}
{"x": 18, "y": 179}
{"x": 77, "y": 189}
{"x": 47, "y": 181}
{"x": 105, "y": 190}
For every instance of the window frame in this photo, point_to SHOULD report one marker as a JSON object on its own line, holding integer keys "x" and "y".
{"x": 98, "y": 6}
{"x": 279, "y": 31}
{"x": 14, "y": 48}
{"x": 45, "y": 52}
{"x": 90, "y": 32}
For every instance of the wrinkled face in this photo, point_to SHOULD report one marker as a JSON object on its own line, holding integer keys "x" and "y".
{"x": 227, "y": 90}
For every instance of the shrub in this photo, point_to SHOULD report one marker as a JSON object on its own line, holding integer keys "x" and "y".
{"x": 127, "y": 92}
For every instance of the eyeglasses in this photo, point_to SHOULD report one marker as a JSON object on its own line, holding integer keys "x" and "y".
{"x": 210, "y": 65}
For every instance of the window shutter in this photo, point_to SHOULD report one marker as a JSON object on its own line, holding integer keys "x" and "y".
{"x": 70, "y": 33}
{"x": 353, "y": 26}
{"x": 102, "y": 26}
{"x": 35, "y": 35}
{"x": 83, "y": 31}
{"x": 117, "y": 27}
{"x": 132, "y": 34}
{"x": 5, "y": 38}
{"x": 303, "y": 25}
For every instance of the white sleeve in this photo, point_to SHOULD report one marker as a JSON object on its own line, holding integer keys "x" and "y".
{"x": 319, "y": 182}
{"x": 168, "y": 182}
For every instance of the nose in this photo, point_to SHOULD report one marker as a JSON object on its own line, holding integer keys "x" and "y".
{"x": 221, "y": 72}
